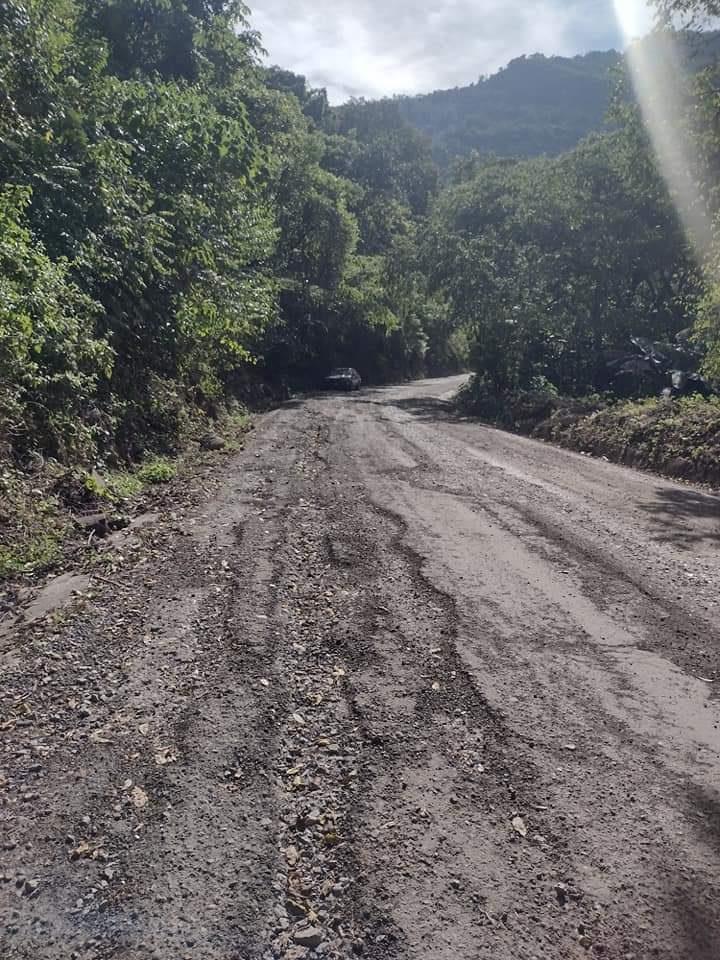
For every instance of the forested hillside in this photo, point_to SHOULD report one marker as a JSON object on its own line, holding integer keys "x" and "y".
{"x": 537, "y": 104}
{"x": 177, "y": 222}
{"x": 181, "y": 227}
{"x": 580, "y": 276}
{"x": 567, "y": 269}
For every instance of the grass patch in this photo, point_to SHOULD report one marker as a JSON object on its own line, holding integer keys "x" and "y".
{"x": 33, "y": 556}
{"x": 120, "y": 485}
{"x": 237, "y": 422}
{"x": 123, "y": 485}
{"x": 233, "y": 428}
{"x": 159, "y": 470}
{"x": 39, "y": 510}
{"x": 32, "y": 527}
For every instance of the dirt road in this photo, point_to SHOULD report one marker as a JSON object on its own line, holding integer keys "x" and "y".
{"x": 405, "y": 687}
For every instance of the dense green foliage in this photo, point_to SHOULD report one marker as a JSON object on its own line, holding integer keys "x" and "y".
{"x": 178, "y": 223}
{"x": 174, "y": 217}
{"x": 555, "y": 263}
{"x": 700, "y": 130}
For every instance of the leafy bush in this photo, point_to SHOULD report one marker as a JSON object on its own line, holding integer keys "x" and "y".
{"x": 51, "y": 364}
{"x": 518, "y": 409}
{"x": 34, "y": 555}
{"x": 176, "y": 222}
{"x": 156, "y": 471}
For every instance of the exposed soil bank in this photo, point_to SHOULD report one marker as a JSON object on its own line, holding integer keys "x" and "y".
{"x": 679, "y": 438}
{"x": 676, "y": 438}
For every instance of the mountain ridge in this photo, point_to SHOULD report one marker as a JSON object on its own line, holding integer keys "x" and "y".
{"x": 535, "y": 105}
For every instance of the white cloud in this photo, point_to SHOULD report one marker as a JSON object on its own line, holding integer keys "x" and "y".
{"x": 376, "y": 47}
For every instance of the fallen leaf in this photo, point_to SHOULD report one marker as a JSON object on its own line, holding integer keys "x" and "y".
{"x": 297, "y": 907}
{"x": 31, "y": 887}
{"x": 85, "y": 849}
{"x": 264, "y": 682}
{"x": 298, "y": 719}
{"x": 139, "y": 798}
{"x": 291, "y": 855}
{"x": 144, "y": 729}
{"x": 165, "y": 756}
{"x": 519, "y": 826}
{"x": 98, "y": 736}
{"x": 436, "y": 686}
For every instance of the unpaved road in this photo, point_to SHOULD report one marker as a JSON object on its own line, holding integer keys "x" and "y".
{"x": 405, "y": 687}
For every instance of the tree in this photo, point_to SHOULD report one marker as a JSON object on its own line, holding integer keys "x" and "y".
{"x": 553, "y": 264}
{"x": 49, "y": 367}
{"x": 689, "y": 9}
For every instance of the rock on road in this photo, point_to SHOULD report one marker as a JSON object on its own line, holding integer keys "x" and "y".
{"x": 403, "y": 687}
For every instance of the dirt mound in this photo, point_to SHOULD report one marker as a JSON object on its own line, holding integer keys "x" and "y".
{"x": 680, "y": 438}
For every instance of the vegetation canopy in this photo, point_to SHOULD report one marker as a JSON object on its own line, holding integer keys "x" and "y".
{"x": 179, "y": 224}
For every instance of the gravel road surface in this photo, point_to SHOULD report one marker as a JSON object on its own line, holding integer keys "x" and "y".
{"x": 399, "y": 686}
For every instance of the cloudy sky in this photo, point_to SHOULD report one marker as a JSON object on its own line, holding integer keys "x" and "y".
{"x": 375, "y": 47}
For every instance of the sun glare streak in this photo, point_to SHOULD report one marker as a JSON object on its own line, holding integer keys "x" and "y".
{"x": 655, "y": 69}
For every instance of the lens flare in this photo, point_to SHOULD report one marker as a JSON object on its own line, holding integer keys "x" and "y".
{"x": 656, "y": 68}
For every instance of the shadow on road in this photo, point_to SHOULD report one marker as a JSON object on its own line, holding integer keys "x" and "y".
{"x": 698, "y": 924}
{"x": 423, "y": 408}
{"x": 694, "y": 901}
{"x": 674, "y": 513}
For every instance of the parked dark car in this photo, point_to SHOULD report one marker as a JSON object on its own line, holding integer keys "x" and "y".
{"x": 343, "y": 378}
